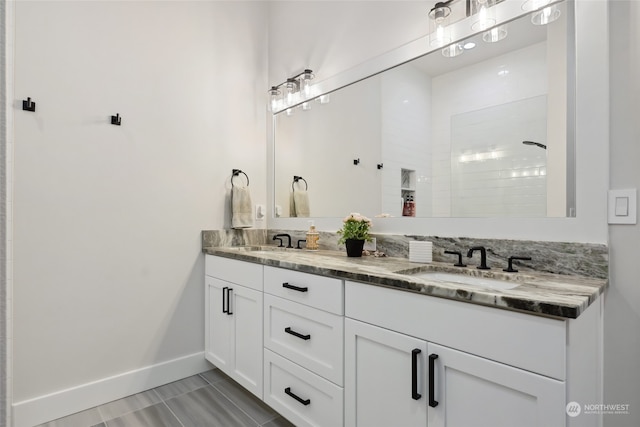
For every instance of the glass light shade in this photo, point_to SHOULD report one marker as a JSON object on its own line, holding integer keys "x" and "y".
{"x": 452, "y": 50}
{"x": 324, "y": 99}
{"x": 545, "y": 16}
{"x": 291, "y": 91}
{"x": 484, "y": 15}
{"x": 274, "y": 98}
{"x": 530, "y": 5}
{"x": 306, "y": 78}
{"x": 495, "y": 34}
{"x": 439, "y": 31}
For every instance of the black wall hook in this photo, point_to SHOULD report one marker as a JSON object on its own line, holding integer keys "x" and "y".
{"x": 116, "y": 120}
{"x": 380, "y": 165}
{"x": 28, "y": 105}
{"x": 356, "y": 161}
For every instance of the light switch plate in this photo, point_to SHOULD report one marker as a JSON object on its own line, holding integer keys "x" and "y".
{"x": 623, "y": 206}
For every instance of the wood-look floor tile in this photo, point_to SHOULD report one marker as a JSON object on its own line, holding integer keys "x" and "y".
{"x": 181, "y": 387}
{"x": 157, "y": 415}
{"x": 86, "y": 418}
{"x": 278, "y": 422}
{"x": 214, "y": 375}
{"x": 246, "y": 401}
{"x": 208, "y": 407}
{"x": 132, "y": 403}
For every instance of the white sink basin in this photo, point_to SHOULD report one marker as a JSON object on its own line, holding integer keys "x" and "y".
{"x": 480, "y": 282}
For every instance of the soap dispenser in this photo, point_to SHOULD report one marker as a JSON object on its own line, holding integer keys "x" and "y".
{"x": 312, "y": 237}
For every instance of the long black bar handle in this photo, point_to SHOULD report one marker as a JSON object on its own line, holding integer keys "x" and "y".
{"x": 414, "y": 374}
{"x": 295, "y": 288}
{"x": 229, "y": 312}
{"x": 297, "y": 334}
{"x": 224, "y": 299}
{"x": 305, "y": 402}
{"x": 432, "y": 362}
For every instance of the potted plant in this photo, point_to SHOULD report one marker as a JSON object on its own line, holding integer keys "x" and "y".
{"x": 354, "y": 232}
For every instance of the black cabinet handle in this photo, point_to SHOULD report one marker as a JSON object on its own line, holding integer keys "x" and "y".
{"x": 305, "y": 402}
{"x": 432, "y": 361}
{"x": 414, "y": 374}
{"x": 229, "y": 312}
{"x": 295, "y": 288}
{"x": 224, "y": 299}
{"x": 297, "y": 334}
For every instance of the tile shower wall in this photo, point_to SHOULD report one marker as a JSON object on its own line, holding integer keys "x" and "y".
{"x": 511, "y": 77}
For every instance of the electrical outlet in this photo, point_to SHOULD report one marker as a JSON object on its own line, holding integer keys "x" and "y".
{"x": 370, "y": 246}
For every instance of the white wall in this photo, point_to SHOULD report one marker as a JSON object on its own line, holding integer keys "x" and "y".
{"x": 622, "y": 305}
{"x": 108, "y": 265}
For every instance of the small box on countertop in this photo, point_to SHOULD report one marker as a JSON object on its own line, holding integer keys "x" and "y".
{"x": 420, "y": 251}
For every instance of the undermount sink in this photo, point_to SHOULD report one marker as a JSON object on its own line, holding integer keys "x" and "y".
{"x": 481, "y": 282}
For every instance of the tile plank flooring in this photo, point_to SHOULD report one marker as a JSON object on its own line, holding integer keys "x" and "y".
{"x": 207, "y": 399}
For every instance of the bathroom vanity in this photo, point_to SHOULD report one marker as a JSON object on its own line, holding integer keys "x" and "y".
{"x": 328, "y": 340}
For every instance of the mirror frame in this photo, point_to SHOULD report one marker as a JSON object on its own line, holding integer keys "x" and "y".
{"x": 591, "y": 147}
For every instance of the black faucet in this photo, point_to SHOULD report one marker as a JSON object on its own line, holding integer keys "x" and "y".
{"x": 483, "y": 257}
{"x": 459, "y": 263}
{"x": 510, "y": 268}
{"x": 300, "y": 241}
{"x": 278, "y": 236}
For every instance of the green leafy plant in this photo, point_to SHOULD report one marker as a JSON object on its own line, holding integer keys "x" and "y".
{"x": 355, "y": 226}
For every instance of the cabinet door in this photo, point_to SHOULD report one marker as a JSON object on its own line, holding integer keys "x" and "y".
{"x": 246, "y": 307}
{"x": 218, "y": 325}
{"x": 473, "y": 391}
{"x": 385, "y": 377}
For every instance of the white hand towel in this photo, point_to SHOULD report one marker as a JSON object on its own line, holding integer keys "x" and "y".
{"x": 301, "y": 204}
{"x": 241, "y": 214}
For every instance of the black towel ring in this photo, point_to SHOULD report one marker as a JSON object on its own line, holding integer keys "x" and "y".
{"x": 236, "y": 172}
{"x": 296, "y": 179}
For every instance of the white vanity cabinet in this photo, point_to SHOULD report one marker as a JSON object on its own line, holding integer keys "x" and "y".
{"x": 421, "y": 361}
{"x": 303, "y": 339}
{"x": 233, "y": 320}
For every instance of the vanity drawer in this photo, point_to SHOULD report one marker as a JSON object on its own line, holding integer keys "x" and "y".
{"x": 231, "y": 270}
{"x": 309, "y": 337}
{"x": 325, "y": 293}
{"x": 313, "y": 401}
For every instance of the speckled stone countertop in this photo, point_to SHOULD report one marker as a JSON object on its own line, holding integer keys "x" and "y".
{"x": 537, "y": 293}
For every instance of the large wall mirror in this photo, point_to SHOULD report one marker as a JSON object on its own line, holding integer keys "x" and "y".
{"x": 482, "y": 128}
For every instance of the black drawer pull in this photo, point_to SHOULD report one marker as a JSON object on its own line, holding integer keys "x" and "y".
{"x": 305, "y": 402}
{"x": 224, "y": 299}
{"x": 295, "y": 288}
{"x": 297, "y": 334}
{"x": 414, "y": 374}
{"x": 229, "y": 312}
{"x": 432, "y": 360}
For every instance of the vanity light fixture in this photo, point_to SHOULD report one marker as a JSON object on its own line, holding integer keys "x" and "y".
{"x": 546, "y": 15}
{"x": 453, "y": 50}
{"x": 531, "y": 5}
{"x": 484, "y": 14}
{"x": 495, "y": 34}
{"x": 290, "y": 91}
{"x": 439, "y": 31}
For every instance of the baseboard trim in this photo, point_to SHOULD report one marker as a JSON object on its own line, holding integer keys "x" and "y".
{"x": 31, "y": 412}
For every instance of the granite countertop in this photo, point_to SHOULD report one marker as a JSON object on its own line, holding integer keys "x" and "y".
{"x": 538, "y": 293}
